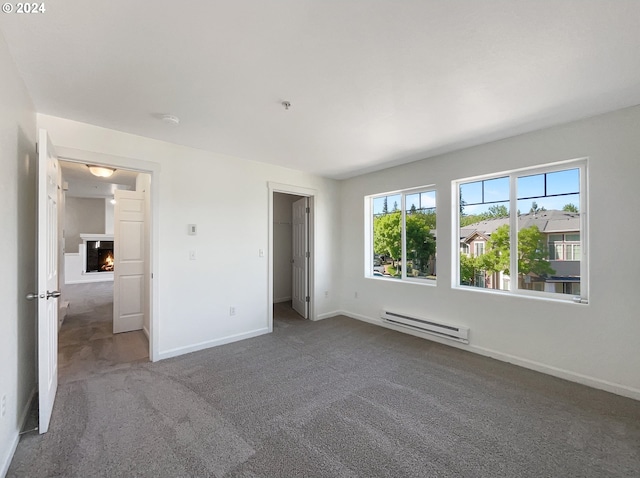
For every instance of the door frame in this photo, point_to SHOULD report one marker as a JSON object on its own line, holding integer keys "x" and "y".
{"x": 153, "y": 169}
{"x": 312, "y": 195}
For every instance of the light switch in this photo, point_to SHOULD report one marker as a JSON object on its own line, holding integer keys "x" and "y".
{"x": 193, "y": 229}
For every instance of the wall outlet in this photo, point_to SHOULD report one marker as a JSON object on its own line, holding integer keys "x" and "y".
{"x": 3, "y": 406}
{"x": 232, "y": 310}
{"x": 192, "y": 255}
{"x": 326, "y": 294}
{"x": 355, "y": 295}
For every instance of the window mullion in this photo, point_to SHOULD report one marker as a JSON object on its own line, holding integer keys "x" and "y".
{"x": 584, "y": 238}
{"x": 513, "y": 233}
{"x": 403, "y": 245}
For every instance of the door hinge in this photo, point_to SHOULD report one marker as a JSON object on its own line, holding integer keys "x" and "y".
{"x": 307, "y": 254}
{"x": 307, "y": 299}
{"x": 37, "y": 149}
{"x": 308, "y": 210}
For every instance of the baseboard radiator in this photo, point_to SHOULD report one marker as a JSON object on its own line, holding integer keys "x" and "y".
{"x": 447, "y": 331}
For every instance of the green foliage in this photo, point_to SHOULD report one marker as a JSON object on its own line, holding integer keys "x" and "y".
{"x": 498, "y": 210}
{"x": 468, "y": 267}
{"x": 494, "y": 212}
{"x": 386, "y": 235}
{"x": 497, "y": 255}
{"x": 570, "y": 207}
{"x": 535, "y": 209}
{"x": 532, "y": 253}
{"x": 421, "y": 245}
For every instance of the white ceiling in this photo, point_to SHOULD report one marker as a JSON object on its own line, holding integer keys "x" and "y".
{"x": 372, "y": 83}
{"x": 81, "y": 183}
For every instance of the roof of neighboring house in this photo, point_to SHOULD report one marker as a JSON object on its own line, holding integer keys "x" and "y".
{"x": 548, "y": 222}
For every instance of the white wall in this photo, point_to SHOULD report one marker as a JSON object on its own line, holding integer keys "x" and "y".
{"x": 17, "y": 236}
{"x": 595, "y": 344}
{"x": 282, "y": 245}
{"x": 82, "y": 216}
{"x": 228, "y": 200}
{"x": 109, "y": 210}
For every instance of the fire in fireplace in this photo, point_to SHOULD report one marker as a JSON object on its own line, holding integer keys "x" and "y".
{"x": 105, "y": 260}
{"x": 99, "y": 256}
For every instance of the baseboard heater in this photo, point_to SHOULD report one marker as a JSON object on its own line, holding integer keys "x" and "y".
{"x": 447, "y": 331}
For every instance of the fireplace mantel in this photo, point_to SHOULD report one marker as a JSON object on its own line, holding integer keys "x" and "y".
{"x": 96, "y": 237}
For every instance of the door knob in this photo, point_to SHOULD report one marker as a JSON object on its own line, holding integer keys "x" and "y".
{"x": 55, "y": 294}
{"x": 32, "y": 296}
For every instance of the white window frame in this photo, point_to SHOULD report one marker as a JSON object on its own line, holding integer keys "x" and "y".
{"x": 582, "y": 165}
{"x": 368, "y": 209}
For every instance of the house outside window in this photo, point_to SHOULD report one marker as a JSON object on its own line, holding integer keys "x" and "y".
{"x": 545, "y": 206}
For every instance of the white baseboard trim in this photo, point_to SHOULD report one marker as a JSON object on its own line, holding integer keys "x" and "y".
{"x": 327, "y": 315}
{"x": 211, "y": 343}
{"x": 592, "y": 382}
{"x": 589, "y": 381}
{"x": 6, "y": 460}
{"x": 281, "y": 299}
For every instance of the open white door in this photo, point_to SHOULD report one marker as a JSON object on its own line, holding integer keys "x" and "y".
{"x": 49, "y": 181}
{"x": 300, "y": 279}
{"x": 128, "y": 264}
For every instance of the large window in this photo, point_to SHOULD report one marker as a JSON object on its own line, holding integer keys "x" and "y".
{"x": 524, "y": 232}
{"x": 403, "y": 236}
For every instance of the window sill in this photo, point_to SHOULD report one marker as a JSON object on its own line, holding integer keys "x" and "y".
{"x": 427, "y": 282}
{"x": 569, "y": 299}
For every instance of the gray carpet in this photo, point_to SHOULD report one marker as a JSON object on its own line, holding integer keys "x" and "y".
{"x": 86, "y": 343}
{"x": 330, "y": 399}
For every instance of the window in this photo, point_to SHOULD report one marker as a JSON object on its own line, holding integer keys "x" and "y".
{"x": 402, "y": 226}
{"x": 532, "y": 222}
{"x": 564, "y": 247}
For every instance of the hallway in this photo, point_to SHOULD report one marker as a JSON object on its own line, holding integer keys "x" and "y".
{"x": 86, "y": 343}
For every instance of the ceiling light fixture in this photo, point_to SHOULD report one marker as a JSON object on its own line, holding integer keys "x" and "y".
{"x": 170, "y": 119}
{"x": 100, "y": 171}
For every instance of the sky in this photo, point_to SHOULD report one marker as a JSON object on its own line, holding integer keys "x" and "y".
{"x": 496, "y": 192}
{"x": 530, "y": 189}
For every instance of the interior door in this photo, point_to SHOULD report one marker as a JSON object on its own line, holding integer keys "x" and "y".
{"x": 300, "y": 279}
{"x": 49, "y": 181}
{"x": 129, "y": 261}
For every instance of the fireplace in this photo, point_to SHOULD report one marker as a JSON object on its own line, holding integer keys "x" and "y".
{"x": 99, "y": 256}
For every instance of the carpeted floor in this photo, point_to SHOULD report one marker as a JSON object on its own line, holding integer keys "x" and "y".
{"x": 335, "y": 398}
{"x": 86, "y": 343}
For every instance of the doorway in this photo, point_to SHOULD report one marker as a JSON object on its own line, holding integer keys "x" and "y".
{"x": 291, "y": 258}
{"x": 89, "y": 241}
